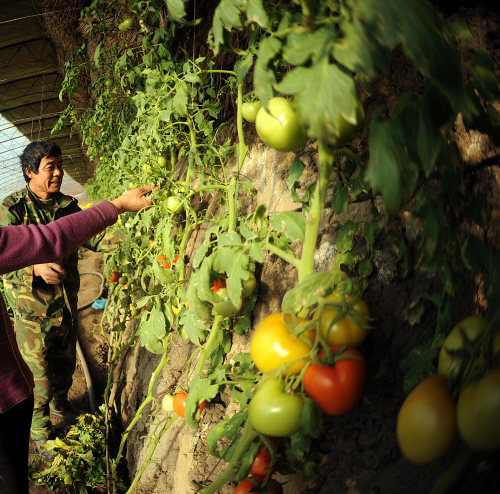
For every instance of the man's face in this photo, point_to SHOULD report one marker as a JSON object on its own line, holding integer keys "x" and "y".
{"x": 48, "y": 179}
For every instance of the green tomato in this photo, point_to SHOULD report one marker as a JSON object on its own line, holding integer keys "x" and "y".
{"x": 147, "y": 169}
{"x": 478, "y": 412}
{"x": 123, "y": 280}
{"x": 249, "y": 110}
{"x": 225, "y": 307}
{"x": 162, "y": 162}
{"x": 347, "y": 131}
{"x": 449, "y": 362}
{"x": 175, "y": 205}
{"x": 280, "y": 128}
{"x": 132, "y": 186}
{"x": 274, "y": 412}
{"x": 249, "y": 285}
{"x": 109, "y": 82}
{"x": 168, "y": 403}
{"x": 126, "y": 25}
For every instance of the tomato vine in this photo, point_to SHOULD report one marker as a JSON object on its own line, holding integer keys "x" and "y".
{"x": 156, "y": 120}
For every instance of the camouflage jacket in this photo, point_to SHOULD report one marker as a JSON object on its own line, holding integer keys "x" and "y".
{"x": 28, "y": 295}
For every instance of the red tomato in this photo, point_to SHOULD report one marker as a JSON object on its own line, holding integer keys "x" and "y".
{"x": 337, "y": 388}
{"x": 176, "y": 258}
{"x": 114, "y": 277}
{"x": 249, "y": 485}
{"x": 180, "y": 404}
{"x": 262, "y": 463}
{"x": 217, "y": 286}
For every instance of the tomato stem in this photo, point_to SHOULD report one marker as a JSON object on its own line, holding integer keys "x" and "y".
{"x": 313, "y": 218}
{"x": 207, "y": 348}
{"x": 448, "y": 478}
{"x": 231, "y": 469}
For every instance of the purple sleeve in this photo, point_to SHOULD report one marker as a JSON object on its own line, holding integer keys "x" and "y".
{"x": 22, "y": 246}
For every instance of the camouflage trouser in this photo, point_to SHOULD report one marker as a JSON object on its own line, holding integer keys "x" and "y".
{"x": 50, "y": 352}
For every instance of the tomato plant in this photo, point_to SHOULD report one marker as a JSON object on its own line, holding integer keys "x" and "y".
{"x": 272, "y": 346}
{"x": 280, "y": 127}
{"x": 350, "y": 330}
{"x": 337, "y": 388}
{"x": 249, "y": 110}
{"x": 478, "y": 412}
{"x": 179, "y": 404}
{"x": 167, "y": 403}
{"x": 427, "y": 423}
{"x": 456, "y": 343}
{"x": 274, "y": 412}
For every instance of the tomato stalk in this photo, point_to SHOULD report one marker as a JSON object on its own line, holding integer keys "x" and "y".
{"x": 313, "y": 218}
{"x": 147, "y": 400}
{"x": 448, "y": 478}
{"x": 154, "y": 440}
{"x": 207, "y": 348}
{"x": 246, "y": 439}
{"x": 284, "y": 255}
{"x": 242, "y": 151}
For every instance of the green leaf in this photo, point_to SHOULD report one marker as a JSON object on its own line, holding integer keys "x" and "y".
{"x": 291, "y": 223}
{"x": 199, "y": 390}
{"x": 257, "y": 13}
{"x": 300, "y": 47}
{"x": 227, "y": 428}
{"x": 97, "y": 54}
{"x": 309, "y": 290}
{"x": 263, "y": 75}
{"x": 193, "y": 327}
{"x": 310, "y": 416}
{"x": 176, "y": 10}
{"x": 346, "y": 236}
{"x": 152, "y": 331}
{"x": 180, "y": 100}
{"x": 256, "y": 253}
{"x": 322, "y": 93}
{"x": 390, "y": 170}
{"x": 340, "y": 199}
{"x": 365, "y": 268}
{"x": 419, "y": 364}
{"x": 296, "y": 171}
{"x": 242, "y": 66}
{"x": 487, "y": 83}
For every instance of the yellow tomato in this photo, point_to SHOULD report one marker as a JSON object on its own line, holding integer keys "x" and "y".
{"x": 427, "y": 422}
{"x": 345, "y": 331}
{"x": 272, "y": 345}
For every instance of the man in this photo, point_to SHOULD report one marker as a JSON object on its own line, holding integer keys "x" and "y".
{"x": 44, "y": 297}
{"x": 21, "y": 246}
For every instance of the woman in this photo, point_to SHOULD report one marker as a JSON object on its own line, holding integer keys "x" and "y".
{"x": 22, "y": 246}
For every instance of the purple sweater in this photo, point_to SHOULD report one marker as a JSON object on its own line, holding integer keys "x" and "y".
{"x": 22, "y": 246}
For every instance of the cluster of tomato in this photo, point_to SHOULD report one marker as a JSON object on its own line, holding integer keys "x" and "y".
{"x": 335, "y": 382}
{"x": 280, "y": 128}
{"x": 431, "y": 423}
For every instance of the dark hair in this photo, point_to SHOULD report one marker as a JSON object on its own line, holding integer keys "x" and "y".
{"x": 33, "y": 154}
